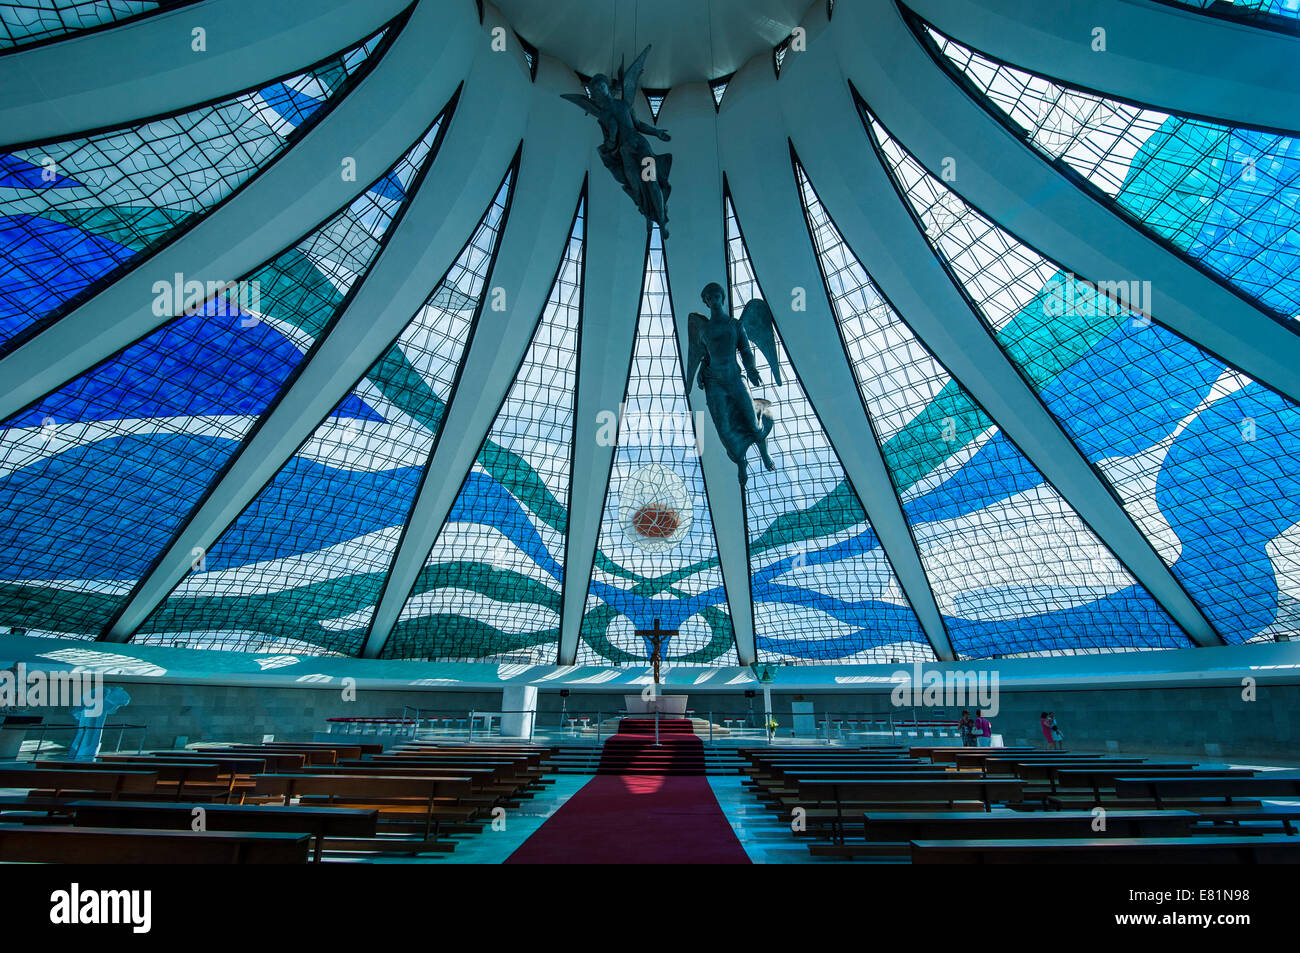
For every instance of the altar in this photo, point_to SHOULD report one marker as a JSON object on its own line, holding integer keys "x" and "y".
{"x": 663, "y": 704}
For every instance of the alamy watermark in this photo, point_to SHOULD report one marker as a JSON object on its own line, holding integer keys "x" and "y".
{"x": 21, "y": 688}
{"x": 947, "y": 689}
{"x": 1069, "y": 295}
{"x": 218, "y": 299}
{"x": 78, "y": 905}
{"x": 649, "y": 429}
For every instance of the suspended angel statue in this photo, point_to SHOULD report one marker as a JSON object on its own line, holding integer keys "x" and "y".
{"x": 625, "y": 152}
{"x": 714, "y": 343}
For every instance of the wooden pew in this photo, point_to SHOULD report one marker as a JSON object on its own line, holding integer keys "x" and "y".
{"x": 383, "y": 792}
{"x": 237, "y": 770}
{"x": 313, "y": 755}
{"x": 1267, "y": 784}
{"x": 353, "y": 749}
{"x": 976, "y": 761}
{"x": 1104, "y": 776}
{"x": 1048, "y": 770}
{"x": 319, "y": 822}
{"x": 891, "y": 832}
{"x": 775, "y": 769}
{"x": 842, "y": 792}
{"x": 500, "y": 778}
{"x": 110, "y": 782}
{"x": 274, "y": 761}
{"x": 1015, "y": 767}
{"x": 484, "y": 792}
{"x": 948, "y": 755}
{"x": 28, "y": 843}
{"x": 1268, "y": 848}
{"x": 366, "y": 747}
{"x": 169, "y": 772}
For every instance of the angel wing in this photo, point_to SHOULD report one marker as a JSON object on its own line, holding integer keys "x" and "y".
{"x": 756, "y": 319}
{"x": 630, "y": 80}
{"x": 696, "y": 350}
{"x": 580, "y": 100}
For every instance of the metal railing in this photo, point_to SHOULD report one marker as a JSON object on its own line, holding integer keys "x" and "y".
{"x": 595, "y": 726}
{"x": 41, "y": 730}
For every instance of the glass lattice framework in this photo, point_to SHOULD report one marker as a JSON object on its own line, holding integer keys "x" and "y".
{"x": 1255, "y": 12}
{"x": 96, "y": 477}
{"x": 1227, "y": 197}
{"x": 656, "y": 558}
{"x": 1012, "y": 566}
{"x": 1143, "y": 404}
{"x": 31, "y": 21}
{"x": 490, "y": 586}
{"x": 308, "y": 557}
{"x": 822, "y": 585}
{"x": 76, "y": 213}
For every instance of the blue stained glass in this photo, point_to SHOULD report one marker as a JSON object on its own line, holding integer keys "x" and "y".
{"x": 1227, "y": 197}
{"x": 96, "y": 478}
{"x": 490, "y": 586}
{"x": 1012, "y": 566}
{"x": 30, "y": 21}
{"x": 822, "y": 586}
{"x": 656, "y": 558}
{"x": 75, "y": 213}
{"x": 308, "y": 557}
{"x": 1135, "y": 396}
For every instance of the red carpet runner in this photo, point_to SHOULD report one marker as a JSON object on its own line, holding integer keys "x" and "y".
{"x": 646, "y": 805}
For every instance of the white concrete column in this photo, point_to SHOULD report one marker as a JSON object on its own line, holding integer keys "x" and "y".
{"x": 696, "y": 254}
{"x": 532, "y": 246}
{"x": 756, "y": 157}
{"x": 613, "y": 266}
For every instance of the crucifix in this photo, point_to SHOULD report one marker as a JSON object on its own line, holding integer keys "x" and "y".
{"x": 657, "y": 638}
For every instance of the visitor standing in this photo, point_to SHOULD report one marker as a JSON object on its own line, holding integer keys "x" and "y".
{"x": 983, "y": 731}
{"x": 967, "y": 728}
{"x": 1058, "y": 739}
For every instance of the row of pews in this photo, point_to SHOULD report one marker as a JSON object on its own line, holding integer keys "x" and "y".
{"x": 263, "y": 803}
{"x": 1024, "y": 805}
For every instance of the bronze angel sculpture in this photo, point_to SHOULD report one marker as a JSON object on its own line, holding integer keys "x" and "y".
{"x": 625, "y": 151}
{"x": 714, "y": 343}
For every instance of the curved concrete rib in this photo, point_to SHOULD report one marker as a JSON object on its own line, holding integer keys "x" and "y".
{"x": 295, "y": 194}
{"x": 148, "y": 68}
{"x": 766, "y": 196}
{"x": 1170, "y": 58}
{"x": 1013, "y": 185}
{"x": 614, "y": 264}
{"x": 857, "y": 192}
{"x": 696, "y": 254}
{"x": 477, "y": 151}
{"x": 531, "y": 248}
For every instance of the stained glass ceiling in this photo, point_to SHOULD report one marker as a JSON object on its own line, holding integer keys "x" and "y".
{"x": 23, "y": 22}
{"x": 1226, "y": 196}
{"x": 110, "y": 465}
{"x": 77, "y": 213}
